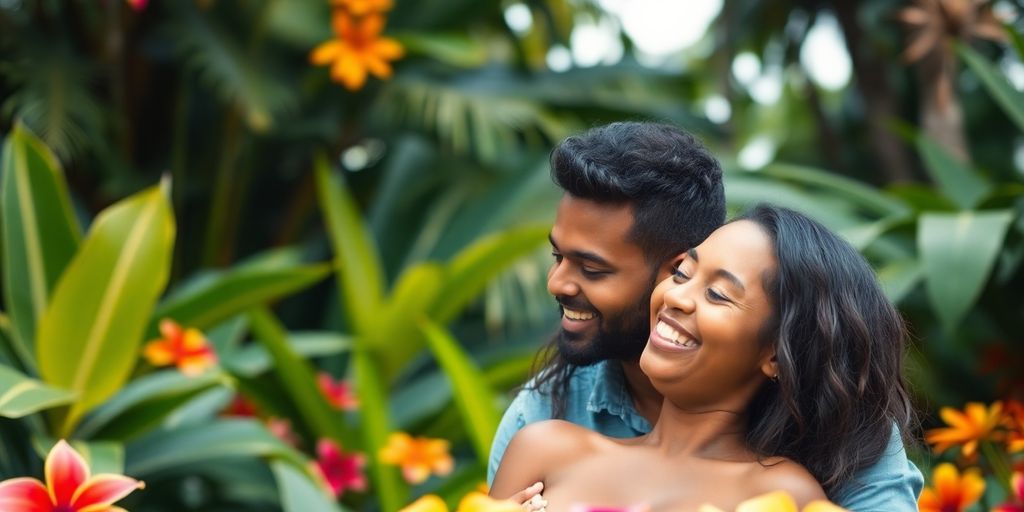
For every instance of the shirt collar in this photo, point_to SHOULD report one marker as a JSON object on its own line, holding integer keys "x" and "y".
{"x": 610, "y": 395}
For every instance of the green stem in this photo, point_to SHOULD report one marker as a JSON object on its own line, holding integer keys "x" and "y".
{"x": 1000, "y": 466}
{"x": 218, "y": 247}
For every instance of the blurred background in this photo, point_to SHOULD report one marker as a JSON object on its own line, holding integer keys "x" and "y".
{"x": 358, "y": 198}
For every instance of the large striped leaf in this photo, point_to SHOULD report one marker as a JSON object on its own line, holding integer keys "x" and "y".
{"x": 360, "y": 278}
{"x": 958, "y": 252}
{"x": 298, "y": 493}
{"x": 476, "y": 401}
{"x": 89, "y": 335}
{"x": 200, "y": 443}
{"x": 222, "y": 296}
{"x": 40, "y": 234}
{"x": 21, "y": 395}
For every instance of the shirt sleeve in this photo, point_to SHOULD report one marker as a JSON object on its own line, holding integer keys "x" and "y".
{"x": 890, "y": 485}
{"x": 515, "y": 418}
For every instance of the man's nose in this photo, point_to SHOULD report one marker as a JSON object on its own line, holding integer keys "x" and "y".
{"x": 560, "y": 281}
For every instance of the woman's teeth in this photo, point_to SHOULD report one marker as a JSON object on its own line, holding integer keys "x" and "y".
{"x": 669, "y": 333}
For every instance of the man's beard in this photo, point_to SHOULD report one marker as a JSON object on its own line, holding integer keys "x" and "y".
{"x": 620, "y": 337}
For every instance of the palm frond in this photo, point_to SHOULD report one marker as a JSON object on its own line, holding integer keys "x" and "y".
{"x": 241, "y": 78}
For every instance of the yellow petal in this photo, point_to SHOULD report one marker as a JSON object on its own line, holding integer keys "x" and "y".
{"x": 778, "y": 501}
{"x": 158, "y": 353}
{"x": 349, "y": 71}
{"x": 387, "y": 48}
{"x": 823, "y": 506}
{"x": 479, "y": 502}
{"x": 326, "y": 52}
{"x": 428, "y": 503}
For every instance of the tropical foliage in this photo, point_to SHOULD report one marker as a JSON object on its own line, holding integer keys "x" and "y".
{"x": 273, "y": 254}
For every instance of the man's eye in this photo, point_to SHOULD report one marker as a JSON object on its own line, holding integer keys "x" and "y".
{"x": 557, "y": 257}
{"x": 589, "y": 272}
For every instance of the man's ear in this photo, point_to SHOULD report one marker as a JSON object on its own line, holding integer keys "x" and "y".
{"x": 770, "y": 364}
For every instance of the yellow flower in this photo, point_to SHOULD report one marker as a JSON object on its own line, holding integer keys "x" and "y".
{"x": 473, "y": 502}
{"x": 968, "y": 428}
{"x": 951, "y": 492}
{"x": 357, "y": 50}
{"x": 480, "y": 502}
{"x": 363, "y": 7}
{"x": 778, "y": 501}
{"x": 418, "y": 457}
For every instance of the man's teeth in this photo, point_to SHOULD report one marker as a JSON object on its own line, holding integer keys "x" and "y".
{"x": 577, "y": 315}
{"x": 669, "y": 333}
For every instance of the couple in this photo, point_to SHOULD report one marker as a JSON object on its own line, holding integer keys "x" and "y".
{"x": 763, "y": 352}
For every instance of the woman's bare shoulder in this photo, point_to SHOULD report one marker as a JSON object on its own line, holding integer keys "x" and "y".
{"x": 782, "y": 474}
{"x": 559, "y": 436}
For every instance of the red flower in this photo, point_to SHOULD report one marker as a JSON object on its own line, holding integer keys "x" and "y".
{"x": 185, "y": 348}
{"x": 338, "y": 393}
{"x": 137, "y": 5}
{"x": 241, "y": 407}
{"x": 341, "y": 471}
{"x": 951, "y": 491}
{"x": 1013, "y": 419}
{"x": 282, "y": 429}
{"x": 69, "y": 488}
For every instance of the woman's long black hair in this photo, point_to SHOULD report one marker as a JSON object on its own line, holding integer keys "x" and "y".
{"x": 839, "y": 345}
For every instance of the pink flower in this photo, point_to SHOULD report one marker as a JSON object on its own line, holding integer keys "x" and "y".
{"x": 341, "y": 471}
{"x": 282, "y": 429}
{"x": 69, "y": 488}
{"x": 338, "y": 393}
{"x": 137, "y": 5}
{"x": 1017, "y": 492}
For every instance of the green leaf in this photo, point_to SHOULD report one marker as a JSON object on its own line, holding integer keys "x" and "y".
{"x": 253, "y": 359}
{"x": 195, "y": 444}
{"x": 899, "y": 278}
{"x": 299, "y": 493}
{"x": 89, "y": 336}
{"x": 392, "y": 491}
{"x": 957, "y": 180}
{"x": 864, "y": 196}
{"x": 100, "y": 456}
{"x": 21, "y": 395}
{"x": 223, "y": 296}
{"x": 473, "y": 395}
{"x": 144, "y": 403}
{"x": 298, "y": 377}
{"x": 452, "y": 49}
{"x": 468, "y": 273}
{"x": 412, "y": 295}
{"x": 40, "y": 234}
{"x": 958, "y": 252}
{"x": 360, "y": 278}
{"x": 1010, "y": 99}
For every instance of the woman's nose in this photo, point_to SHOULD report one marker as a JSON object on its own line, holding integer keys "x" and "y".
{"x": 680, "y": 297}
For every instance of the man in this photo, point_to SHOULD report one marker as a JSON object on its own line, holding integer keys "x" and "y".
{"x": 636, "y": 195}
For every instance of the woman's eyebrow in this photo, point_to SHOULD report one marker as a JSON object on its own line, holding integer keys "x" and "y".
{"x": 729, "y": 276}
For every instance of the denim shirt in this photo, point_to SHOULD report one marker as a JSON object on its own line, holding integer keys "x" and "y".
{"x": 598, "y": 400}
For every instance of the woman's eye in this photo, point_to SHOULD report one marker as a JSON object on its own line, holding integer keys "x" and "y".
{"x": 715, "y": 296}
{"x": 679, "y": 276}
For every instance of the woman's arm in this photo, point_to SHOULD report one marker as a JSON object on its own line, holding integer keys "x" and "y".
{"x": 532, "y": 454}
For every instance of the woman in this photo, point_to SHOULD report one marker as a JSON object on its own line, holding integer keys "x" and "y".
{"x": 779, "y": 360}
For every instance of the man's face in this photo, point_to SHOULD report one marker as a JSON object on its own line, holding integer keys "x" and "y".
{"x": 602, "y": 281}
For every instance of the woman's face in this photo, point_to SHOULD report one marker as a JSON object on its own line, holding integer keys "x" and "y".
{"x": 706, "y": 318}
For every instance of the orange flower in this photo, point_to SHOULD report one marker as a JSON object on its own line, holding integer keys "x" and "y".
{"x": 1013, "y": 419}
{"x": 363, "y": 7}
{"x": 968, "y": 428}
{"x": 186, "y": 348}
{"x": 419, "y": 457}
{"x": 950, "y": 491}
{"x": 358, "y": 49}
{"x": 69, "y": 487}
